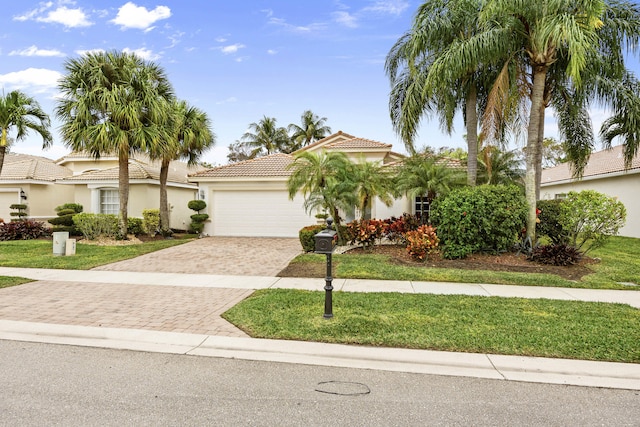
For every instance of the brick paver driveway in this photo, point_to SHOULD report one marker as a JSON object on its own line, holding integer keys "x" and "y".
{"x": 236, "y": 256}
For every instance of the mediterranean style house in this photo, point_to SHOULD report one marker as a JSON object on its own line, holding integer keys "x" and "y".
{"x": 42, "y": 184}
{"x": 250, "y": 198}
{"x": 606, "y": 174}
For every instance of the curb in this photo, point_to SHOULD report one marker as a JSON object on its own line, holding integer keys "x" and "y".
{"x": 487, "y": 366}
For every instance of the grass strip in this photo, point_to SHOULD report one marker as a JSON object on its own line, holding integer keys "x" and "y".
{"x": 39, "y": 254}
{"x": 513, "y": 326}
{"x": 6, "y": 282}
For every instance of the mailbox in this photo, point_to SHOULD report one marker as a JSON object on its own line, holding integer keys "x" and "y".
{"x": 326, "y": 240}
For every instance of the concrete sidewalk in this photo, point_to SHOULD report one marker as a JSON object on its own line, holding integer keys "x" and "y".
{"x": 223, "y": 343}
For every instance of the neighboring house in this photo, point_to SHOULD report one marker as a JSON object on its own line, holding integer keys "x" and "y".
{"x": 606, "y": 174}
{"x": 250, "y": 198}
{"x": 79, "y": 178}
{"x": 31, "y": 180}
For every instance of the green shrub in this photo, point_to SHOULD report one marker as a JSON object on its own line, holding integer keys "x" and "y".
{"x": 22, "y": 230}
{"x": 398, "y": 227}
{"x": 421, "y": 242}
{"x": 307, "y": 237}
{"x": 135, "y": 226}
{"x": 197, "y": 205}
{"x": 93, "y": 226}
{"x": 590, "y": 218}
{"x": 196, "y": 227}
{"x": 75, "y": 207}
{"x": 550, "y": 224}
{"x": 199, "y": 217}
{"x": 482, "y": 218}
{"x": 64, "y": 212}
{"x": 21, "y": 212}
{"x": 64, "y": 220}
{"x": 151, "y": 221}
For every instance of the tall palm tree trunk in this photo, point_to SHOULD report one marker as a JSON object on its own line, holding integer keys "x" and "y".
{"x": 3, "y": 150}
{"x": 123, "y": 192}
{"x": 538, "y": 157}
{"x": 164, "y": 202}
{"x": 537, "y": 101}
{"x": 472, "y": 135}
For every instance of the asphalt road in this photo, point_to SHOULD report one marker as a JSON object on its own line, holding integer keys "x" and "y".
{"x": 46, "y": 384}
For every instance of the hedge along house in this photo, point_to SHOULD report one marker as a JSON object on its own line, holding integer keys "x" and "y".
{"x": 31, "y": 180}
{"x": 605, "y": 173}
{"x": 250, "y": 198}
{"x": 94, "y": 184}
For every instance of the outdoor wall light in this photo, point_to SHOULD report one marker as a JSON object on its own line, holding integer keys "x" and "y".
{"x": 23, "y": 195}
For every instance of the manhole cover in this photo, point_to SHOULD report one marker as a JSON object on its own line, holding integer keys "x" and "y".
{"x": 343, "y": 388}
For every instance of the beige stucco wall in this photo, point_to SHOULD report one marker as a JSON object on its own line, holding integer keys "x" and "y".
{"x": 626, "y": 188}
{"x": 42, "y": 199}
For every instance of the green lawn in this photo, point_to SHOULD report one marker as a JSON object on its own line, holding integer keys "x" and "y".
{"x": 39, "y": 254}
{"x": 544, "y": 328}
{"x": 620, "y": 263}
{"x": 6, "y": 282}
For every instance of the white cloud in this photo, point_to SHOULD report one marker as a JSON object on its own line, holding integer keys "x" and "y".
{"x": 34, "y": 51}
{"x": 229, "y": 100}
{"x": 345, "y": 18}
{"x": 392, "y": 7}
{"x": 233, "y": 48}
{"x": 132, "y": 16}
{"x": 70, "y": 18}
{"x": 303, "y": 29}
{"x": 85, "y": 51}
{"x": 143, "y": 53}
{"x": 272, "y": 52}
{"x": 36, "y": 80}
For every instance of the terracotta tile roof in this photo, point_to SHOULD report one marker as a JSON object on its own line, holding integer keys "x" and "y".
{"x": 138, "y": 170}
{"x": 272, "y": 165}
{"x": 600, "y": 164}
{"x": 27, "y": 167}
{"x": 357, "y": 144}
{"x": 324, "y": 140}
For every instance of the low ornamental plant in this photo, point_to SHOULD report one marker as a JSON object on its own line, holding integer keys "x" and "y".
{"x": 556, "y": 254}
{"x": 421, "y": 242}
{"x": 365, "y": 232}
{"x": 307, "y": 237}
{"x": 398, "y": 227}
{"x": 26, "y": 229}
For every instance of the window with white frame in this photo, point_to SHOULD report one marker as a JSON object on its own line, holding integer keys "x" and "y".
{"x": 109, "y": 201}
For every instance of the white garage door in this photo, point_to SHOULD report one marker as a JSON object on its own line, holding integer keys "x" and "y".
{"x": 257, "y": 213}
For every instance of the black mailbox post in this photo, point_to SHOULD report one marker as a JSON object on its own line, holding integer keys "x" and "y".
{"x": 325, "y": 244}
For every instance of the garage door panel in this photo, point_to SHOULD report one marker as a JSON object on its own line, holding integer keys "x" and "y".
{"x": 257, "y": 213}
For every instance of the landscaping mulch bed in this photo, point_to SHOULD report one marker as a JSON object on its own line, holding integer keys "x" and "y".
{"x": 504, "y": 262}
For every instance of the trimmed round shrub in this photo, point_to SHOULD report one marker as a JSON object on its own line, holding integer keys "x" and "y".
{"x": 199, "y": 217}
{"x": 197, "y": 205}
{"x": 307, "y": 237}
{"x": 135, "y": 226}
{"x": 75, "y": 207}
{"x": 483, "y": 218}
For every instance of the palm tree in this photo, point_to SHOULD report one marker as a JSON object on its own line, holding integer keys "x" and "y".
{"x": 265, "y": 137}
{"x": 19, "y": 111}
{"x": 325, "y": 180}
{"x": 499, "y": 167}
{"x": 190, "y": 135}
{"x": 114, "y": 102}
{"x": 312, "y": 129}
{"x": 426, "y": 177}
{"x": 373, "y": 180}
{"x": 562, "y": 44}
{"x": 416, "y": 92}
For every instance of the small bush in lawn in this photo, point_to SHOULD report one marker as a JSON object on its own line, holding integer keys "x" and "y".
{"x": 198, "y": 219}
{"x": 365, "y": 232}
{"x": 550, "y": 224}
{"x": 398, "y": 227}
{"x": 556, "y": 254}
{"x": 93, "y": 226}
{"x": 590, "y": 218}
{"x": 307, "y": 237}
{"x": 22, "y": 230}
{"x": 481, "y": 218}
{"x": 135, "y": 226}
{"x": 421, "y": 242}
{"x": 150, "y": 221}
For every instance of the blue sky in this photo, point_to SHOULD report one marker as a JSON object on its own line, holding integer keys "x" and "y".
{"x": 236, "y": 60}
